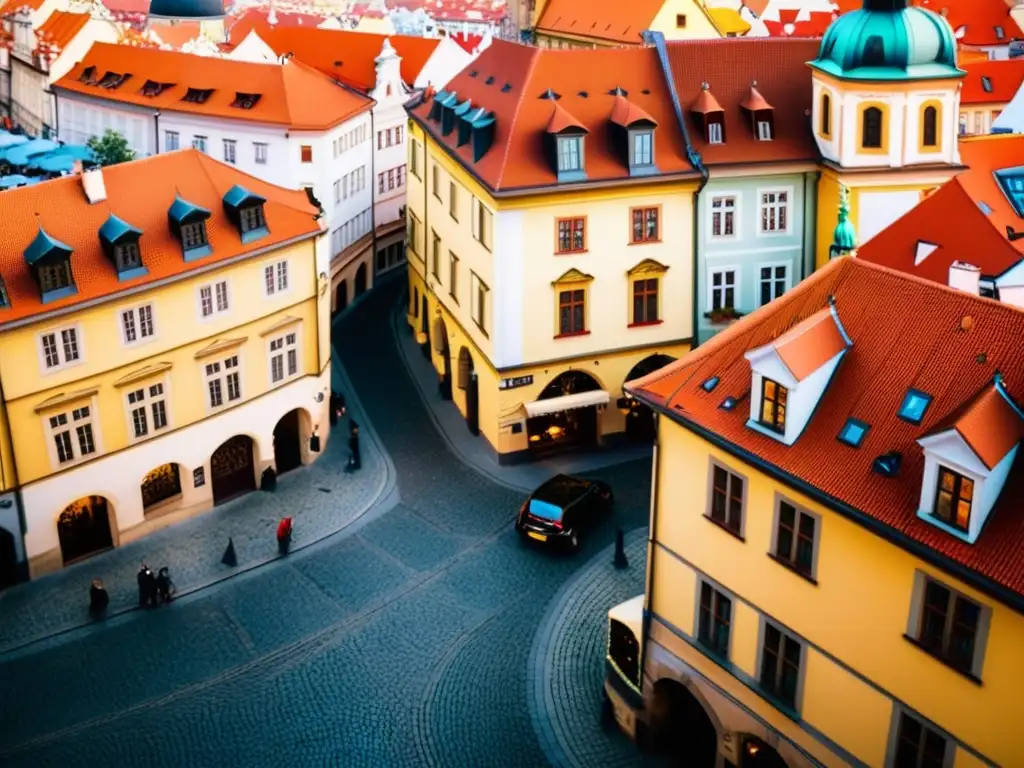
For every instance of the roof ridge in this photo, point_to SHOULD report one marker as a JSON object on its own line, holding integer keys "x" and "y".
{"x": 205, "y": 160}
{"x": 534, "y": 58}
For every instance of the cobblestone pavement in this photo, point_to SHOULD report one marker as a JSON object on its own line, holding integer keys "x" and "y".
{"x": 405, "y": 641}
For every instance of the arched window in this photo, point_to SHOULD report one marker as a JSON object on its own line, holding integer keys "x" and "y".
{"x": 871, "y": 130}
{"x": 826, "y": 115}
{"x": 930, "y": 127}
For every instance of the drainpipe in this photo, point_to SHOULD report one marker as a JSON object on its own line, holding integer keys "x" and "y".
{"x": 810, "y": 255}
{"x": 156, "y": 132}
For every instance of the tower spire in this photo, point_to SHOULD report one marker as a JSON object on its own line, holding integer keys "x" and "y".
{"x": 844, "y": 237}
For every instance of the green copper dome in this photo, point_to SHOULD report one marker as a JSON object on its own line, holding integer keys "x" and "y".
{"x": 886, "y": 40}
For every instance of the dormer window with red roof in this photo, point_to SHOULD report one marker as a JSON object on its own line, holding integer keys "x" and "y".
{"x": 632, "y": 133}
{"x": 762, "y": 114}
{"x": 710, "y": 116}
{"x": 564, "y": 139}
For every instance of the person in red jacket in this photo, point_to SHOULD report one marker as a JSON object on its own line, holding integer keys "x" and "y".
{"x": 284, "y": 534}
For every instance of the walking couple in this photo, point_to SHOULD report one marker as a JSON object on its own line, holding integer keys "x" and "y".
{"x": 154, "y": 589}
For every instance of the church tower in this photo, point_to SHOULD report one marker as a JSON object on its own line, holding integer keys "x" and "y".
{"x": 886, "y": 99}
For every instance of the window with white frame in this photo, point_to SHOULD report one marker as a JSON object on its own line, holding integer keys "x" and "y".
{"x": 723, "y": 216}
{"x": 774, "y": 211}
{"x": 275, "y": 277}
{"x": 172, "y": 140}
{"x": 72, "y": 434}
{"x": 213, "y": 299}
{"x": 223, "y": 384}
{"x": 199, "y": 142}
{"x": 337, "y": 190}
{"x": 59, "y": 348}
{"x": 137, "y": 323}
{"x": 284, "y": 357}
{"x": 230, "y": 151}
{"x": 147, "y": 410}
{"x": 764, "y": 130}
{"x": 722, "y": 285}
{"x": 772, "y": 281}
{"x": 259, "y": 152}
{"x": 714, "y": 133}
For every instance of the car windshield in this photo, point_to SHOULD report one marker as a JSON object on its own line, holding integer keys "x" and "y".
{"x": 545, "y": 510}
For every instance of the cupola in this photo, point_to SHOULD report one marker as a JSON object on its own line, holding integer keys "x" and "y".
{"x": 120, "y": 242}
{"x": 188, "y": 223}
{"x": 49, "y": 261}
{"x": 245, "y": 210}
{"x": 632, "y": 136}
{"x": 709, "y": 115}
{"x": 186, "y": 9}
{"x": 565, "y": 142}
{"x": 760, "y": 113}
{"x": 791, "y": 373}
{"x": 967, "y": 459}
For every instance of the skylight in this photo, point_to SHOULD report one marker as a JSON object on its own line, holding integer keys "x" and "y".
{"x": 1000, "y": 33}
{"x": 728, "y": 404}
{"x": 888, "y": 464}
{"x": 985, "y": 207}
{"x": 915, "y": 403}
{"x": 1011, "y": 180}
{"x": 853, "y": 432}
{"x": 986, "y": 84}
{"x": 710, "y": 384}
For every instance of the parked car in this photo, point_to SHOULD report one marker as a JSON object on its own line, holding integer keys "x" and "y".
{"x": 560, "y": 510}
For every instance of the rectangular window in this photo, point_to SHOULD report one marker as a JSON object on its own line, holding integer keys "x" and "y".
{"x": 435, "y": 255}
{"x": 398, "y": 134}
{"x": 714, "y": 133}
{"x": 949, "y": 626}
{"x": 572, "y": 312}
{"x": 645, "y": 225}
{"x": 284, "y": 357}
{"x": 481, "y": 224}
{"x": 453, "y": 276}
{"x": 193, "y": 235}
{"x": 60, "y": 348}
{"x": 259, "y": 152}
{"x": 414, "y": 158}
{"x": 275, "y": 277}
{"x": 127, "y": 256}
{"x": 917, "y": 745}
{"x": 780, "y": 665}
{"x": 773, "y": 405}
{"x": 306, "y": 153}
{"x": 337, "y": 190}
{"x": 137, "y": 323}
{"x": 772, "y": 282}
{"x": 727, "y": 496}
{"x": 453, "y": 201}
{"x": 435, "y": 181}
{"x": 764, "y": 130}
{"x": 774, "y": 212}
{"x": 723, "y": 216}
{"x": 645, "y": 301}
{"x": 222, "y": 382}
{"x": 962, "y": 123}
{"x": 570, "y": 151}
{"x": 979, "y": 122}
{"x": 199, "y": 142}
{"x": 53, "y": 277}
{"x": 380, "y": 139}
{"x": 213, "y": 299}
{"x": 953, "y": 499}
{"x": 69, "y": 434}
{"x": 723, "y": 289}
{"x": 571, "y": 235}
{"x": 380, "y": 186}
{"x": 172, "y": 141}
{"x": 643, "y": 144}
{"x": 412, "y": 236}
{"x": 478, "y": 301}
{"x": 714, "y": 620}
{"x": 230, "y": 151}
{"x": 148, "y": 410}
{"x": 795, "y": 538}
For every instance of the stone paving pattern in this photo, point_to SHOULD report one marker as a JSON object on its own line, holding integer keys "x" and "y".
{"x": 403, "y": 641}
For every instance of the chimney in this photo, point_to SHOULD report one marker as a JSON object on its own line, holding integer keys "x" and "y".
{"x": 76, "y": 168}
{"x": 95, "y": 189}
{"x": 965, "y": 277}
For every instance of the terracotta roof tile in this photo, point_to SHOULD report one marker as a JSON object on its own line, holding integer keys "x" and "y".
{"x": 626, "y": 113}
{"x": 755, "y": 102}
{"x": 611, "y": 20}
{"x": 292, "y": 94}
{"x": 140, "y": 193}
{"x": 12, "y": 6}
{"x": 921, "y": 347}
{"x": 706, "y": 103}
{"x": 729, "y": 66}
{"x": 976, "y": 22}
{"x": 990, "y": 82}
{"x": 810, "y": 344}
{"x": 509, "y": 79}
{"x": 987, "y": 423}
{"x": 60, "y": 28}
{"x": 176, "y": 35}
{"x": 561, "y": 120}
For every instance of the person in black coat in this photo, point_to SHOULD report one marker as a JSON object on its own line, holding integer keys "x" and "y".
{"x": 164, "y": 585}
{"x": 98, "y": 598}
{"x": 147, "y": 586}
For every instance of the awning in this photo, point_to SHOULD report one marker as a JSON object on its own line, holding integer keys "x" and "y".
{"x": 566, "y": 403}
{"x": 630, "y": 613}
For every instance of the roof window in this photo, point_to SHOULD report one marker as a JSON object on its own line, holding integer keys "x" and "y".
{"x": 5, "y": 298}
{"x": 1000, "y": 33}
{"x": 246, "y": 100}
{"x": 489, "y": 80}
{"x": 197, "y": 95}
{"x": 888, "y": 464}
{"x": 506, "y": 87}
{"x": 551, "y": 95}
{"x": 188, "y": 223}
{"x": 474, "y": 73}
{"x": 985, "y": 207}
{"x": 88, "y": 76}
{"x": 915, "y": 404}
{"x": 120, "y": 242}
{"x": 710, "y": 384}
{"x": 50, "y": 262}
{"x": 729, "y": 403}
{"x": 152, "y": 88}
{"x": 246, "y": 212}
{"x": 986, "y": 83}
{"x": 1011, "y": 180}
{"x": 113, "y": 80}
{"x": 853, "y": 432}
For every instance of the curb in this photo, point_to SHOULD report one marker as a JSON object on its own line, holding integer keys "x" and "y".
{"x": 386, "y": 493}
{"x": 541, "y": 705}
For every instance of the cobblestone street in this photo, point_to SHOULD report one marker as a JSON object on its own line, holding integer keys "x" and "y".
{"x": 408, "y": 639}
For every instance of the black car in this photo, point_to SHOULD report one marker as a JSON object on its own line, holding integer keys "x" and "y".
{"x": 562, "y": 509}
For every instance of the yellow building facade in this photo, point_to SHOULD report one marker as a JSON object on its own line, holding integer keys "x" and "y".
{"x": 139, "y": 403}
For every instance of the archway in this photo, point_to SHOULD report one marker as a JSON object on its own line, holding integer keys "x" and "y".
{"x": 640, "y": 418}
{"x": 8, "y": 559}
{"x": 755, "y": 753}
{"x": 360, "y": 280}
{"x": 83, "y": 528}
{"x": 680, "y": 726}
{"x": 160, "y": 485}
{"x": 551, "y": 428}
{"x": 468, "y": 382}
{"x": 232, "y": 469}
{"x": 440, "y": 338}
{"x": 287, "y": 442}
{"x": 341, "y": 303}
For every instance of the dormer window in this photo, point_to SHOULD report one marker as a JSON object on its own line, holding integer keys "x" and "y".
{"x": 53, "y": 277}
{"x": 764, "y": 130}
{"x": 113, "y": 80}
{"x": 50, "y": 263}
{"x": 953, "y": 499}
{"x": 88, "y": 76}
{"x": 197, "y": 95}
{"x": 773, "y": 405}
{"x": 1011, "y": 181}
{"x": 5, "y": 298}
{"x": 762, "y": 114}
{"x": 245, "y": 210}
{"x": 252, "y": 219}
{"x": 464, "y": 128}
{"x": 643, "y": 148}
{"x": 188, "y": 223}
{"x": 632, "y": 134}
{"x": 246, "y": 100}
{"x": 716, "y": 135}
{"x": 152, "y": 88}
{"x": 915, "y": 403}
{"x": 127, "y": 256}
{"x": 120, "y": 241}
{"x": 193, "y": 236}
{"x": 710, "y": 116}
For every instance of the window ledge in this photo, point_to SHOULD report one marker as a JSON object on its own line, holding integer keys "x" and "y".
{"x": 651, "y": 241}
{"x": 572, "y": 253}
{"x": 790, "y": 567}
{"x": 481, "y": 329}
{"x": 725, "y": 528}
{"x": 948, "y": 664}
{"x": 645, "y": 323}
{"x": 778, "y": 703}
{"x": 571, "y": 335}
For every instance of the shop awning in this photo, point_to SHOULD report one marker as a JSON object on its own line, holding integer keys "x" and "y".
{"x": 566, "y": 403}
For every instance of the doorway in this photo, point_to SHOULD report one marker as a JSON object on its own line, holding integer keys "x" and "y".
{"x": 83, "y": 528}
{"x": 287, "y": 446}
{"x": 565, "y": 430}
{"x": 469, "y": 383}
{"x": 8, "y": 559}
{"x": 342, "y": 297}
{"x": 360, "y": 280}
{"x": 680, "y": 726}
{"x": 160, "y": 484}
{"x": 444, "y": 385}
{"x": 640, "y": 418}
{"x": 232, "y": 469}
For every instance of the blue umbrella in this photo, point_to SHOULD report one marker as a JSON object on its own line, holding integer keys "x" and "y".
{"x": 53, "y": 163}
{"x": 11, "y": 139}
{"x": 74, "y": 151}
{"x": 6, "y": 182}
{"x": 19, "y": 155}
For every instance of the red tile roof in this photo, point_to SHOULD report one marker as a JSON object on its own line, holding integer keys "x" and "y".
{"x": 810, "y": 344}
{"x": 815, "y": 25}
{"x": 976, "y": 22}
{"x": 60, "y": 28}
{"x": 345, "y": 55}
{"x": 12, "y": 6}
{"x": 987, "y": 423}
{"x": 472, "y": 11}
{"x": 585, "y": 81}
{"x": 466, "y": 41}
{"x": 922, "y": 347}
{"x": 238, "y": 26}
{"x": 177, "y": 34}
{"x": 730, "y": 67}
{"x": 1003, "y": 78}
{"x": 140, "y": 193}
{"x": 611, "y": 20}
{"x": 292, "y": 94}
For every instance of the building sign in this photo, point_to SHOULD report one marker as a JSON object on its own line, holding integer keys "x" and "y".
{"x": 198, "y": 477}
{"x": 516, "y": 381}
{"x": 1016, "y": 49}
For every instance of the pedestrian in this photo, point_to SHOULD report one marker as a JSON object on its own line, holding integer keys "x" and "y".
{"x": 146, "y": 581}
{"x": 98, "y": 598}
{"x": 284, "y": 535}
{"x": 165, "y": 587}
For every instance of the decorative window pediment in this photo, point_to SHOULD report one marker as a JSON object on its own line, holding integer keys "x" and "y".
{"x": 221, "y": 345}
{"x": 64, "y": 398}
{"x": 142, "y": 373}
{"x": 647, "y": 267}
{"x": 573, "y": 276}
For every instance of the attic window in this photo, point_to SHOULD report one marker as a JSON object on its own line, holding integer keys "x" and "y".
{"x": 245, "y": 210}
{"x": 127, "y": 256}
{"x": 984, "y": 207}
{"x": 153, "y": 88}
{"x": 774, "y": 398}
{"x": 853, "y": 432}
{"x": 246, "y": 100}
{"x": 120, "y": 242}
{"x": 113, "y": 80}
{"x": 888, "y": 464}
{"x": 953, "y": 499}
{"x": 764, "y": 130}
{"x": 197, "y": 95}
{"x": 1012, "y": 182}
{"x": 729, "y": 403}
{"x": 506, "y": 87}
{"x": 915, "y": 404}
{"x": 88, "y": 76}
{"x": 474, "y": 73}
{"x": 986, "y": 83}
{"x": 570, "y": 154}
{"x": 710, "y": 384}
{"x": 1000, "y": 33}
{"x": 489, "y": 80}
{"x": 715, "y": 133}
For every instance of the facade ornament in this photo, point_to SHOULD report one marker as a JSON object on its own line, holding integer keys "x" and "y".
{"x": 844, "y": 237}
